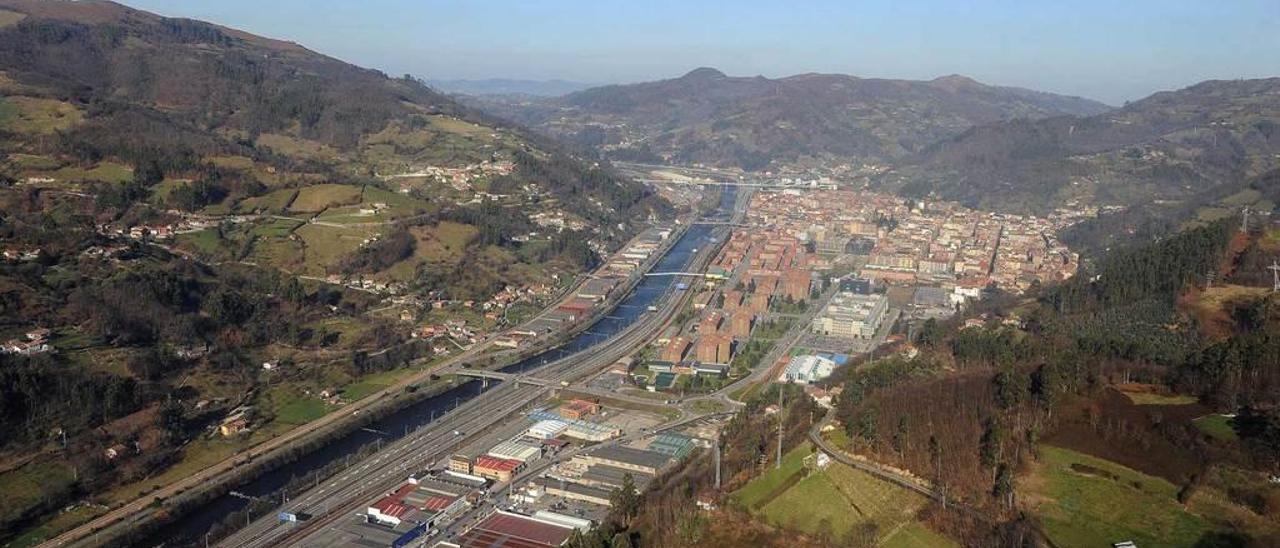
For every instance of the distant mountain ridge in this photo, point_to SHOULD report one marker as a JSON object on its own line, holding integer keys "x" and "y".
{"x": 708, "y": 117}
{"x": 1169, "y": 146}
{"x": 509, "y": 86}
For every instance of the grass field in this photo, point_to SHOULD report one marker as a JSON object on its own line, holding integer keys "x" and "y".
{"x": 292, "y": 146}
{"x": 317, "y": 197}
{"x": 106, "y": 171}
{"x": 844, "y": 498}
{"x": 54, "y": 526}
{"x": 1215, "y": 297}
{"x": 243, "y": 163}
{"x": 276, "y": 228}
{"x": 276, "y": 201}
{"x": 390, "y": 206}
{"x": 1271, "y": 238}
{"x": 442, "y": 243}
{"x": 293, "y": 407}
{"x": 1086, "y": 501}
{"x": 375, "y": 382}
{"x": 37, "y": 116}
{"x": 708, "y": 406}
{"x": 834, "y": 501}
{"x": 27, "y": 486}
{"x": 326, "y": 245}
{"x": 759, "y": 489}
{"x": 204, "y": 241}
{"x": 32, "y": 161}
{"x": 915, "y": 535}
{"x": 1217, "y": 426}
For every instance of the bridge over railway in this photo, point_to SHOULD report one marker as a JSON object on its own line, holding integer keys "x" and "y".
{"x": 498, "y": 376}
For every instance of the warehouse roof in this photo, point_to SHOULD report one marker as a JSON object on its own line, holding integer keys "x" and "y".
{"x": 495, "y": 463}
{"x": 508, "y": 530}
{"x": 631, "y": 455}
{"x": 612, "y": 475}
{"x": 517, "y": 450}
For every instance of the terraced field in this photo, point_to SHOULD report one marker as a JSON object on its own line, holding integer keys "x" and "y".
{"x": 836, "y": 502}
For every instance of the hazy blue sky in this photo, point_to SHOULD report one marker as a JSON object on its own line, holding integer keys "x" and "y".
{"x": 1112, "y": 50}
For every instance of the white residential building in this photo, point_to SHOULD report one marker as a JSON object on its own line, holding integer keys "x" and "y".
{"x": 852, "y": 315}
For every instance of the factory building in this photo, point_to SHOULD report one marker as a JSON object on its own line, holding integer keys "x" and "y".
{"x": 591, "y": 431}
{"x": 514, "y": 530}
{"x": 515, "y": 450}
{"x": 496, "y": 469}
{"x": 626, "y": 458}
{"x": 546, "y": 429}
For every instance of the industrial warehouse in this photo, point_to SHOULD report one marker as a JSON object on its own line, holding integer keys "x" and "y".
{"x": 527, "y": 483}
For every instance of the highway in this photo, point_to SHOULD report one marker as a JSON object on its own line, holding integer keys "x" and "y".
{"x": 137, "y": 510}
{"x": 388, "y": 468}
{"x": 385, "y": 469}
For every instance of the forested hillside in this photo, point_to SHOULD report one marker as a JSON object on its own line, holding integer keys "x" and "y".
{"x": 1134, "y": 363}
{"x": 754, "y": 123}
{"x": 197, "y": 223}
{"x": 1168, "y": 147}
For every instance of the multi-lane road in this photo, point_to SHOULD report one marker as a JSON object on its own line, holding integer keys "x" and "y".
{"x": 341, "y": 495}
{"x": 133, "y": 512}
{"x": 344, "y": 495}
{"x": 383, "y": 471}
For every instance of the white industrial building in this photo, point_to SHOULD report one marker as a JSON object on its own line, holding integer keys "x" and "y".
{"x": 546, "y": 429}
{"x": 515, "y": 450}
{"x": 590, "y": 431}
{"x": 851, "y": 315}
{"x": 807, "y": 369}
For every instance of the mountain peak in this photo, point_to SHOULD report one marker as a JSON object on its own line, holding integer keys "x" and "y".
{"x": 956, "y": 80}
{"x": 704, "y": 73}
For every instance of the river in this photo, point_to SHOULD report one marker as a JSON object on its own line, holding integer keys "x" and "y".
{"x": 189, "y": 530}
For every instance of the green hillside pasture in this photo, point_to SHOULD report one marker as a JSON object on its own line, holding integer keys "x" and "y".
{"x": 389, "y": 206}
{"x": 274, "y": 202}
{"x": 35, "y": 116}
{"x": 298, "y": 148}
{"x": 273, "y": 245}
{"x": 761, "y": 490}
{"x": 1217, "y": 426}
{"x": 325, "y": 246}
{"x": 205, "y": 242}
{"x": 843, "y": 498}
{"x": 439, "y": 244}
{"x": 915, "y": 535}
{"x": 28, "y": 486}
{"x": 1087, "y": 501}
{"x": 293, "y": 407}
{"x": 32, "y": 161}
{"x": 109, "y": 172}
{"x": 316, "y": 198}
